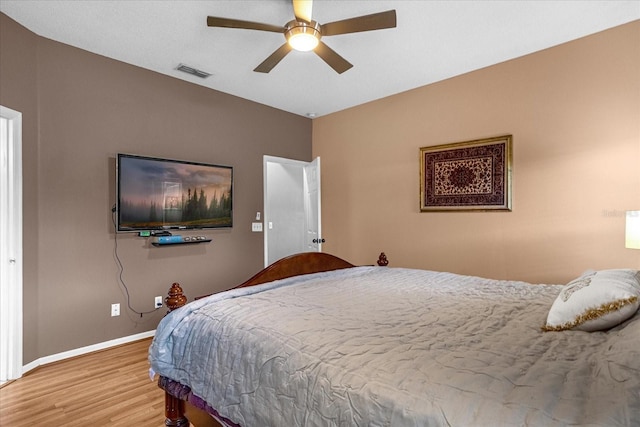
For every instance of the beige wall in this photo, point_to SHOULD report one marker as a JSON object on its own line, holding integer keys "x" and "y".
{"x": 79, "y": 111}
{"x": 574, "y": 113}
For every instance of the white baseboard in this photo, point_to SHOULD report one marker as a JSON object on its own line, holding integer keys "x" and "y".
{"x": 84, "y": 350}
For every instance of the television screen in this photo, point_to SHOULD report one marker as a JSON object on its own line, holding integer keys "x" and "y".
{"x": 155, "y": 194}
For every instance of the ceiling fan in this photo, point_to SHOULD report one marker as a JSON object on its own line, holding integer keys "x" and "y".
{"x": 303, "y": 34}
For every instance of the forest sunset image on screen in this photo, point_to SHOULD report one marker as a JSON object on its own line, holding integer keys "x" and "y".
{"x": 157, "y": 193}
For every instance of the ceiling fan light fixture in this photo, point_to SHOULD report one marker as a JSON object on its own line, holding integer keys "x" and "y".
{"x": 303, "y": 36}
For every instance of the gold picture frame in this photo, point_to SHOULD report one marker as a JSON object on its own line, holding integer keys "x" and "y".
{"x": 467, "y": 176}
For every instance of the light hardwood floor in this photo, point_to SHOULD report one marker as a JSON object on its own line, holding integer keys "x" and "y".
{"x": 106, "y": 388}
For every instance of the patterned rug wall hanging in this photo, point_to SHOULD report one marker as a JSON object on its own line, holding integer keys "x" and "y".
{"x": 469, "y": 175}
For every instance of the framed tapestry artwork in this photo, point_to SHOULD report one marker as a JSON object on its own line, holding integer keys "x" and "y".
{"x": 470, "y": 175}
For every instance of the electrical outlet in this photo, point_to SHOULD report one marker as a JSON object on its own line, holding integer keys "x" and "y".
{"x": 115, "y": 310}
{"x": 158, "y": 302}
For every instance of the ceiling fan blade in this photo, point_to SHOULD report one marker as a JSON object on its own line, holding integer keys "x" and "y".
{"x": 213, "y": 21}
{"x": 302, "y": 9}
{"x": 273, "y": 59}
{"x": 335, "y": 61}
{"x": 376, "y": 21}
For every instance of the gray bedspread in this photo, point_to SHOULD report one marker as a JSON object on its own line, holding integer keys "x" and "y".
{"x": 372, "y": 346}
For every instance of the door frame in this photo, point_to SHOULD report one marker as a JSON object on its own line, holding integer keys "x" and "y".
{"x": 11, "y": 263}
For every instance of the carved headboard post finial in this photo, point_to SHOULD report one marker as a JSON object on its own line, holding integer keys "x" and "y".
{"x": 175, "y": 298}
{"x": 382, "y": 260}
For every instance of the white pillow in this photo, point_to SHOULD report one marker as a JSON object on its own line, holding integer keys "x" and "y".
{"x": 596, "y": 301}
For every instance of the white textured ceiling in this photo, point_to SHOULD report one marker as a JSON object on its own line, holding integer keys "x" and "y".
{"x": 434, "y": 40}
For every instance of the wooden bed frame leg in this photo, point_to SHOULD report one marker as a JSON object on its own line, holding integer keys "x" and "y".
{"x": 174, "y": 407}
{"x": 174, "y": 412}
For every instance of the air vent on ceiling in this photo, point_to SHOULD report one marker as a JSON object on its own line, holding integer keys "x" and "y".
{"x": 193, "y": 71}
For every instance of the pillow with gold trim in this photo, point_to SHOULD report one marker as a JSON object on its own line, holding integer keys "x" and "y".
{"x": 596, "y": 301}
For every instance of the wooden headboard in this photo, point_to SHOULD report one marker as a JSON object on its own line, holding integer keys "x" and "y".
{"x": 296, "y": 265}
{"x": 293, "y": 265}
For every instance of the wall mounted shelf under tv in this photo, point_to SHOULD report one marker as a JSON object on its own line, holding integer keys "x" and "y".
{"x": 183, "y": 242}
{"x": 177, "y": 240}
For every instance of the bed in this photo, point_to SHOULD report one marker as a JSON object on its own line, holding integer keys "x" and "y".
{"x": 315, "y": 341}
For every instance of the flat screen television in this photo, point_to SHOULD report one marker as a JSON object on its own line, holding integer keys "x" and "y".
{"x": 158, "y": 194}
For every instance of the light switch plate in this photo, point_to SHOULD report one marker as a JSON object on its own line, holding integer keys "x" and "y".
{"x": 256, "y": 226}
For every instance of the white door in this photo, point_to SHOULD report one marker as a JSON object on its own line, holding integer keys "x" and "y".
{"x": 291, "y": 207}
{"x": 312, "y": 205}
{"x": 10, "y": 244}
